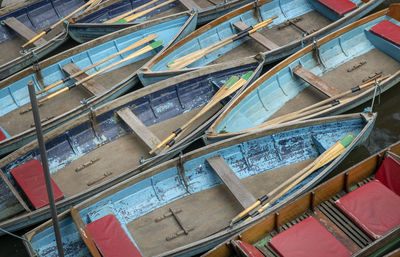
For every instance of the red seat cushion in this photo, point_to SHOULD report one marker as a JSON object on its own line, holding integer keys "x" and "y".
{"x": 2, "y": 135}
{"x": 30, "y": 178}
{"x": 388, "y": 30}
{"x": 374, "y": 207}
{"x": 111, "y": 239}
{"x": 248, "y": 249}
{"x": 389, "y": 174}
{"x": 308, "y": 238}
{"x": 341, "y": 7}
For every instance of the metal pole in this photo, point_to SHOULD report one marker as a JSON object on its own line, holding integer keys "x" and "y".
{"x": 45, "y": 164}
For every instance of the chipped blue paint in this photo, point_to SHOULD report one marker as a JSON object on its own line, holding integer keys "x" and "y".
{"x": 249, "y": 112}
{"x": 283, "y": 9}
{"x": 152, "y": 108}
{"x": 246, "y": 159}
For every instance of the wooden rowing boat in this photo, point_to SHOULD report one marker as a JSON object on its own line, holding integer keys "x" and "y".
{"x": 324, "y": 206}
{"x": 21, "y": 22}
{"x": 114, "y": 140}
{"x": 336, "y": 64}
{"x": 15, "y": 117}
{"x": 297, "y": 24}
{"x": 94, "y": 24}
{"x": 188, "y": 189}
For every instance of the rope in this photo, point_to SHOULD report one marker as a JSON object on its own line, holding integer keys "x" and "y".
{"x": 377, "y": 88}
{"x": 14, "y": 235}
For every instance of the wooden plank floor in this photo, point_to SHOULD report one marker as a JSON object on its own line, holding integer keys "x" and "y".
{"x": 221, "y": 206}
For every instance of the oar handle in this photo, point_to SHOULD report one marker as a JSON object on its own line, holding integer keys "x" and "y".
{"x": 53, "y": 94}
{"x": 163, "y": 142}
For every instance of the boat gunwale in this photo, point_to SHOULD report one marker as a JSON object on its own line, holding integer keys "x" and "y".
{"x": 354, "y": 174}
{"x": 145, "y": 71}
{"x": 96, "y": 112}
{"x": 211, "y": 148}
{"x": 211, "y": 133}
{"x": 95, "y": 100}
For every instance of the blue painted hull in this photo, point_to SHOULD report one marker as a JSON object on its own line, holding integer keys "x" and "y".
{"x": 84, "y": 136}
{"x": 14, "y": 94}
{"x": 159, "y": 187}
{"x": 222, "y": 28}
{"x": 35, "y": 16}
{"x": 338, "y": 54}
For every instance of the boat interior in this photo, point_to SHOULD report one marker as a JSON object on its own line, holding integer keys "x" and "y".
{"x": 361, "y": 55}
{"x": 15, "y": 114}
{"x": 295, "y": 20}
{"x": 79, "y": 152}
{"x": 341, "y": 215}
{"x": 171, "y": 199}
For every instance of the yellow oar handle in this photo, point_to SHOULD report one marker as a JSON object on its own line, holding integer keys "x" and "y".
{"x": 33, "y": 40}
{"x": 53, "y": 94}
{"x": 133, "y": 46}
{"x": 163, "y": 143}
{"x": 245, "y": 212}
{"x": 132, "y": 11}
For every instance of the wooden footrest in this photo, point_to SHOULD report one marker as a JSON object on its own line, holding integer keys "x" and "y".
{"x": 315, "y": 81}
{"x": 258, "y": 37}
{"x": 138, "y": 127}
{"x": 23, "y": 30}
{"x": 228, "y": 176}
{"x": 91, "y": 85}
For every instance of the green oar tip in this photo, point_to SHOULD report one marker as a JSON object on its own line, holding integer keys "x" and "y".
{"x": 347, "y": 140}
{"x": 156, "y": 44}
{"x": 121, "y": 21}
{"x": 232, "y": 80}
{"x": 247, "y": 75}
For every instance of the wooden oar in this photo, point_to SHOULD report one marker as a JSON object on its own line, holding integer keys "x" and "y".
{"x": 131, "y": 56}
{"x": 142, "y": 13}
{"x": 192, "y": 57}
{"x": 87, "y": 239}
{"x": 133, "y": 46}
{"x": 332, "y": 101}
{"x": 228, "y": 88}
{"x": 201, "y": 51}
{"x": 94, "y": 3}
{"x": 130, "y": 12}
{"x": 330, "y": 154}
{"x": 56, "y": 24}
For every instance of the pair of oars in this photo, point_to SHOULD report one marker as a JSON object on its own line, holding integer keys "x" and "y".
{"x": 131, "y": 56}
{"x": 133, "y": 46}
{"x": 230, "y": 86}
{"x": 46, "y": 31}
{"x": 126, "y": 17}
{"x": 192, "y": 57}
{"x": 317, "y": 107}
{"x": 326, "y": 157}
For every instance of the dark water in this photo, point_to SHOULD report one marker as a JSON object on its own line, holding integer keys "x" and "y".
{"x": 385, "y": 132}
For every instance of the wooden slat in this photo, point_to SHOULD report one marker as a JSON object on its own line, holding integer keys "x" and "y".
{"x": 91, "y": 85}
{"x": 257, "y": 36}
{"x": 138, "y": 127}
{"x": 189, "y": 4}
{"x": 23, "y": 30}
{"x": 315, "y": 81}
{"x": 87, "y": 239}
{"x": 228, "y": 176}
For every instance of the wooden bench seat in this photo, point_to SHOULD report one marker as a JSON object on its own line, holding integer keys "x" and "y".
{"x": 92, "y": 86}
{"x": 341, "y": 7}
{"x": 23, "y": 30}
{"x": 30, "y": 178}
{"x": 228, "y": 176}
{"x": 315, "y": 81}
{"x": 257, "y": 36}
{"x": 387, "y": 30}
{"x": 138, "y": 128}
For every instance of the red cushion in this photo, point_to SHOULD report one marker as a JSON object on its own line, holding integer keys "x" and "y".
{"x": 2, "y": 135}
{"x": 341, "y": 7}
{"x": 248, "y": 249}
{"x": 308, "y": 238}
{"x": 388, "y": 30}
{"x": 111, "y": 239}
{"x": 374, "y": 207}
{"x": 389, "y": 174}
{"x": 30, "y": 178}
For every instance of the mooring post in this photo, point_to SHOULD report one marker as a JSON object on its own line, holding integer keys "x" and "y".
{"x": 45, "y": 164}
